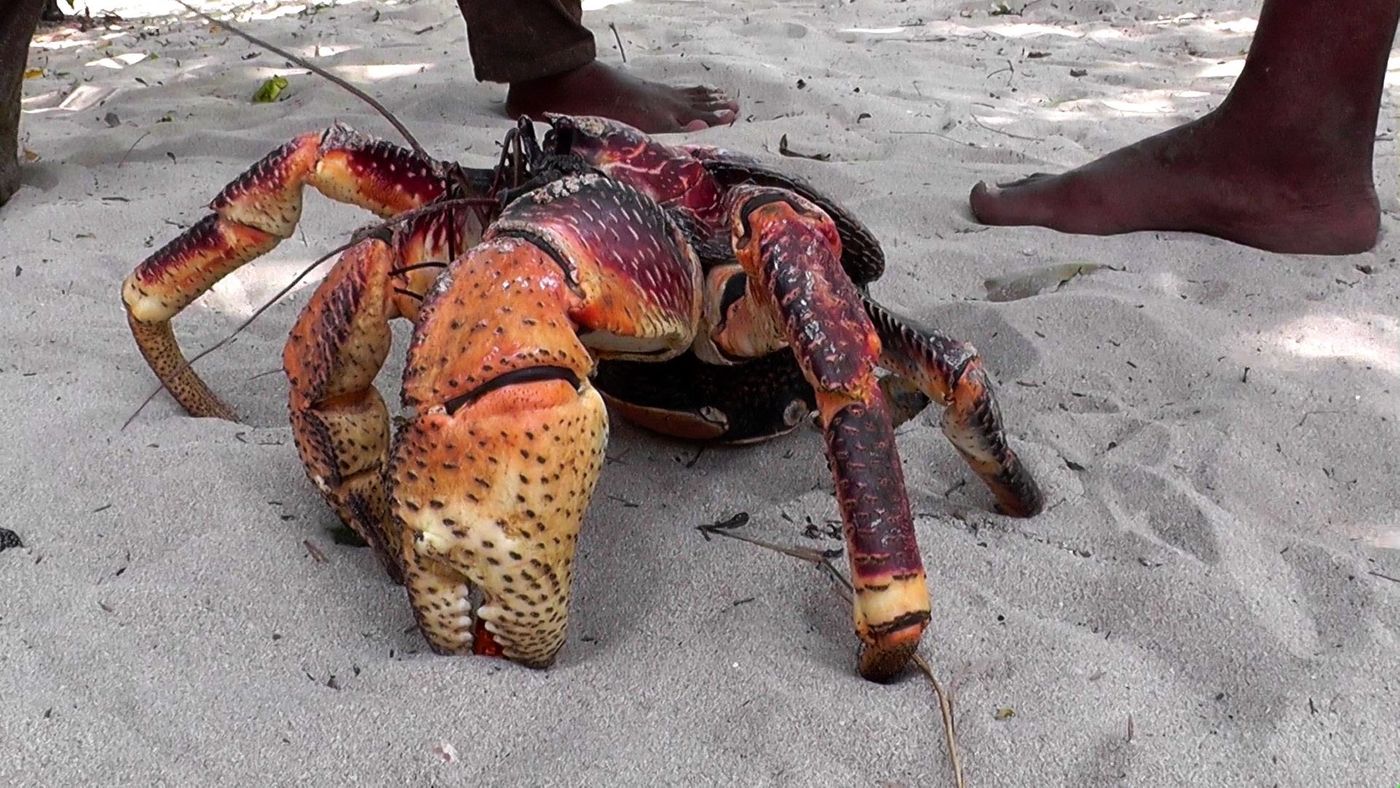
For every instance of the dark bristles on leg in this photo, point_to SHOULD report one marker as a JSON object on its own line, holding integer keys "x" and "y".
{"x": 951, "y": 373}
{"x": 418, "y": 267}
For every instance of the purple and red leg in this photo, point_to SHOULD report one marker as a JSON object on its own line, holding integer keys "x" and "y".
{"x": 250, "y": 217}
{"x": 950, "y": 372}
{"x": 791, "y": 252}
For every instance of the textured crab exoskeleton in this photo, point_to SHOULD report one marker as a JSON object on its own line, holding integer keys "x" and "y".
{"x": 696, "y": 292}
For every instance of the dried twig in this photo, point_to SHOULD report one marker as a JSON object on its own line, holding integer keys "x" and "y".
{"x": 132, "y": 148}
{"x": 822, "y": 560}
{"x": 620, "y": 50}
{"x": 978, "y": 121}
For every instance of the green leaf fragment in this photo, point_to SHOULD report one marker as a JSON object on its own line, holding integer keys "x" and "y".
{"x": 270, "y": 89}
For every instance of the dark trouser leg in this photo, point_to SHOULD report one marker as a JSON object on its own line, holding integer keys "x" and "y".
{"x": 18, "y": 18}
{"x": 521, "y": 40}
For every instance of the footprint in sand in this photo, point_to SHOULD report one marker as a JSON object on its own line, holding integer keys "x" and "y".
{"x": 1006, "y": 351}
{"x": 1336, "y": 592}
{"x": 1147, "y": 498}
{"x": 1088, "y": 402}
{"x": 771, "y": 30}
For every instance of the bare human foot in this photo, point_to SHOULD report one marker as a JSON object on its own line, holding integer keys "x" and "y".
{"x": 598, "y": 89}
{"x": 1205, "y": 178}
{"x": 1284, "y": 164}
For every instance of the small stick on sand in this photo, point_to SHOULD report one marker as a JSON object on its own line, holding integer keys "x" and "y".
{"x": 620, "y": 50}
{"x": 822, "y": 560}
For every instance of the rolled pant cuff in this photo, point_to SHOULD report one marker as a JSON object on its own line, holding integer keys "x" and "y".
{"x": 510, "y": 70}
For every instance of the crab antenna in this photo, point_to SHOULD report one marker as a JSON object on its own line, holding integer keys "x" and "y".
{"x": 508, "y": 146}
{"x": 363, "y": 96}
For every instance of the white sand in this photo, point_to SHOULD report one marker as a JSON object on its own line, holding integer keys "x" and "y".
{"x": 1209, "y": 601}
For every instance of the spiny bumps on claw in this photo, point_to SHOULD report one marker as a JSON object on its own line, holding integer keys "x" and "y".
{"x": 9, "y": 539}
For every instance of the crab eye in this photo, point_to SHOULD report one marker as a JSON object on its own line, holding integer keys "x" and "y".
{"x": 559, "y": 140}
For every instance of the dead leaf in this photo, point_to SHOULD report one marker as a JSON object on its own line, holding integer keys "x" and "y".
{"x": 1024, "y": 284}
{"x": 1004, "y": 713}
{"x": 32, "y": 73}
{"x": 314, "y": 551}
{"x": 30, "y": 155}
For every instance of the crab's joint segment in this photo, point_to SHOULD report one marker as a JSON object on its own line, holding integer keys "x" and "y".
{"x": 635, "y": 275}
{"x": 250, "y": 217}
{"x": 739, "y": 323}
{"x": 339, "y": 421}
{"x": 792, "y": 254}
{"x": 951, "y": 373}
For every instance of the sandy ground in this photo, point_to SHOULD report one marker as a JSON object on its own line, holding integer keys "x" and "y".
{"x": 1212, "y": 598}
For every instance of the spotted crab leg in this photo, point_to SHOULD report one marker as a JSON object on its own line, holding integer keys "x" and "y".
{"x": 951, "y": 373}
{"x": 791, "y": 252}
{"x": 339, "y": 420}
{"x": 493, "y": 472}
{"x": 250, "y": 217}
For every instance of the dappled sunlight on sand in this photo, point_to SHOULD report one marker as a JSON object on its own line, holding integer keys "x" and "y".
{"x": 376, "y": 72}
{"x": 1142, "y": 102}
{"x": 117, "y": 62}
{"x": 245, "y": 291}
{"x": 1226, "y": 70}
{"x": 1114, "y": 80}
{"x": 1372, "y": 339}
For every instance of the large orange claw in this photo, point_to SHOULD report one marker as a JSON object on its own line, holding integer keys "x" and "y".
{"x": 492, "y": 474}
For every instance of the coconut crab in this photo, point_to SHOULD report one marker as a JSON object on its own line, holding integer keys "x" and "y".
{"x": 698, "y": 292}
